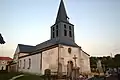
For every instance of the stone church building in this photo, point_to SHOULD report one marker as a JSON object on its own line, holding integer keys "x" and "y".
{"x": 54, "y": 54}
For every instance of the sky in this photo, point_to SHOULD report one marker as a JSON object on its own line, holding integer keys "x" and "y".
{"x": 96, "y": 23}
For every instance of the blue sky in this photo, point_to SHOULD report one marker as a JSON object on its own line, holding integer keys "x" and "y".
{"x": 97, "y": 24}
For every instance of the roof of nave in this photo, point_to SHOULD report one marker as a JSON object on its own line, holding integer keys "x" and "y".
{"x": 29, "y": 49}
{"x": 5, "y": 58}
{"x": 25, "y": 48}
{"x": 56, "y": 41}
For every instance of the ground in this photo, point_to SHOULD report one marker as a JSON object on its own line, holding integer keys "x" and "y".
{"x": 7, "y": 76}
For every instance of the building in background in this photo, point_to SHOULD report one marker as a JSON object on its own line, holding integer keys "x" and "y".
{"x": 4, "y": 62}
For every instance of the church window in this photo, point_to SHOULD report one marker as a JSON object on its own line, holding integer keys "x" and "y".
{"x": 64, "y": 26}
{"x": 20, "y": 64}
{"x": 70, "y": 34}
{"x": 29, "y": 63}
{"x": 65, "y": 32}
{"x": 24, "y": 64}
{"x": 56, "y": 27}
{"x": 56, "y": 30}
{"x": 56, "y": 33}
{"x": 53, "y": 35}
{"x": 53, "y": 29}
{"x": 69, "y": 27}
{"x": 69, "y": 50}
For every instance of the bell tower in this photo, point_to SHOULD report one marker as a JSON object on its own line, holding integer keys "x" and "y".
{"x": 62, "y": 29}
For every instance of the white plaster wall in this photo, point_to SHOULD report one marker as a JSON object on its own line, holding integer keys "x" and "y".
{"x": 85, "y": 62}
{"x": 69, "y": 56}
{"x": 16, "y": 54}
{"x": 81, "y": 57}
{"x": 23, "y": 54}
{"x": 35, "y": 64}
{"x": 4, "y": 67}
{"x": 50, "y": 60}
{"x": 3, "y": 64}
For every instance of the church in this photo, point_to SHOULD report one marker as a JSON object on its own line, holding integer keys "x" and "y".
{"x": 54, "y": 54}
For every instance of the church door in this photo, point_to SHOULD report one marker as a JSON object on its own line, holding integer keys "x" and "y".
{"x": 69, "y": 68}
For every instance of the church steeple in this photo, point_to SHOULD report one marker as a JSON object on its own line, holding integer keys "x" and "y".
{"x": 62, "y": 15}
{"x": 62, "y": 30}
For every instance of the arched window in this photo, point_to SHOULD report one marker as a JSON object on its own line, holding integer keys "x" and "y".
{"x": 65, "y": 30}
{"x": 64, "y": 26}
{"x": 56, "y": 33}
{"x": 70, "y": 34}
{"x": 56, "y": 30}
{"x": 24, "y": 64}
{"x": 29, "y": 63}
{"x": 53, "y": 34}
{"x": 69, "y": 27}
{"x": 20, "y": 64}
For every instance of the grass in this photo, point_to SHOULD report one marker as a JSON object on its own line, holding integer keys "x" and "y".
{"x": 9, "y": 75}
{"x": 30, "y": 77}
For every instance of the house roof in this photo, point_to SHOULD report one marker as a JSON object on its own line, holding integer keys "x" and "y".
{"x": 25, "y": 48}
{"x": 5, "y": 58}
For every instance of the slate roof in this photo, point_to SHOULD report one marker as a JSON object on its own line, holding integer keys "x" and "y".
{"x": 56, "y": 41}
{"x": 26, "y": 48}
{"x": 62, "y": 15}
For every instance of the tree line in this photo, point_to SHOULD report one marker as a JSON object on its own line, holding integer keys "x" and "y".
{"x": 106, "y": 61}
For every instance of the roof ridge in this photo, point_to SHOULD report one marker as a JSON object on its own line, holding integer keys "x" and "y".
{"x": 25, "y": 45}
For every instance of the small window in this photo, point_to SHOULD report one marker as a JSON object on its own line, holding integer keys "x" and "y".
{"x": 53, "y": 29}
{"x": 64, "y": 26}
{"x": 56, "y": 33}
{"x": 29, "y": 63}
{"x": 53, "y": 35}
{"x": 20, "y": 64}
{"x": 24, "y": 64}
{"x": 65, "y": 32}
{"x": 56, "y": 27}
{"x": 69, "y": 50}
{"x": 70, "y": 34}
{"x": 69, "y": 27}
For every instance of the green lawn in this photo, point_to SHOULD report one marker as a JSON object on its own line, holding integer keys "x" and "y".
{"x": 7, "y": 76}
{"x": 30, "y": 77}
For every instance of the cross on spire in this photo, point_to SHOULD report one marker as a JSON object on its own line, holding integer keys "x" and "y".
{"x": 62, "y": 15}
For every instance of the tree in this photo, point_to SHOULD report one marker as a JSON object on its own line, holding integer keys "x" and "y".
{"x": 117, "y": 60}
{"x": 1, "y": 40}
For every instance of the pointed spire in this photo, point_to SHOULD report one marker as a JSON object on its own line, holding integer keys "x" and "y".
{"x": 62, "y": 15}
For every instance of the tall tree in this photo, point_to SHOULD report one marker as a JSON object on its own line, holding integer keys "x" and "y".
{"x": 1, "y": 39}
